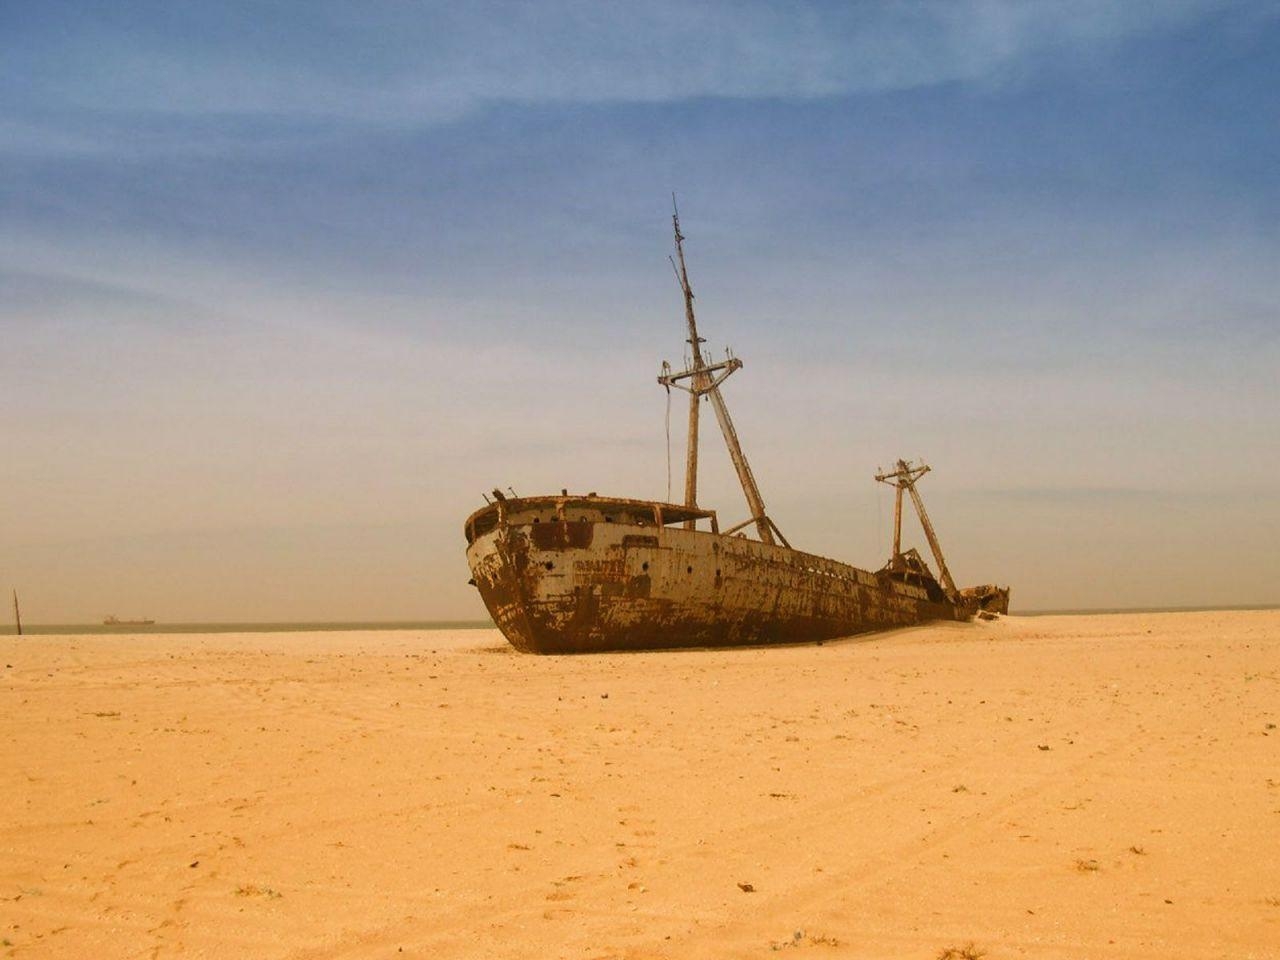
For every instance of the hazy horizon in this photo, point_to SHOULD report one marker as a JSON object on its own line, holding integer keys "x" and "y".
{"x": 340, "y": 626}
{"x": 284, "y": 290}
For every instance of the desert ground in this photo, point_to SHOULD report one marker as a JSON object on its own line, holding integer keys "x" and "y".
{"x": 1049, "y": 787}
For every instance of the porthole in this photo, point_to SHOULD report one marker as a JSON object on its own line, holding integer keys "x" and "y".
{"x": 549, "y": 565}
{"x": 645, "y": 566}
{"x": 688, "y": 569}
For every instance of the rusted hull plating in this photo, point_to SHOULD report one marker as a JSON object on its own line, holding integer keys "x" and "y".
{"x": 591, "y": 583}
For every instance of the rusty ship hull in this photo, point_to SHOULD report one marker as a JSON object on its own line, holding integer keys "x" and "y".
{"x": 577, "y": 574}
{"x": 585, "y": 574}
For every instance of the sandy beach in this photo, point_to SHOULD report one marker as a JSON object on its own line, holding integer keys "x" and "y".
{"x": 1049, "y": 787}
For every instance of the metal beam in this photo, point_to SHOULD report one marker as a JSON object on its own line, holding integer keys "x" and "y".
{"x": 897, "y": 519}
{"x": 696, "y": 373}
{"x": 948, "y": 584}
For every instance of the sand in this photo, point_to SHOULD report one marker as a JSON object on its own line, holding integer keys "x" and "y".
{"x": 1049, "y": 787}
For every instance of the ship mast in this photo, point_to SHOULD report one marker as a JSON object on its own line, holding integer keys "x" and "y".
{"x": 904, "y": 477}
{"x": 698, "y": 372}
{"x": 704, "y": 381}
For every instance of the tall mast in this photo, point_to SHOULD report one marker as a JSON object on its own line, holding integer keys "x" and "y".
{"x": 904, "y": 477}
{"x": 17, "y": 617}
{"x": 704, "y": 380}
{"x": 699, "y": 377}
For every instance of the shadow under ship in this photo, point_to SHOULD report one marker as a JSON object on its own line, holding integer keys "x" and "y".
{"x": 577, "y": 574}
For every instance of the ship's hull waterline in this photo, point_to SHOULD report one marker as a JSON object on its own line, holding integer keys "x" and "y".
{"x": 596, "y": 574}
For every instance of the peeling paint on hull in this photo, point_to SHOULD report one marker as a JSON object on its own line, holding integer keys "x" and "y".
{"x": 564, "y": 585}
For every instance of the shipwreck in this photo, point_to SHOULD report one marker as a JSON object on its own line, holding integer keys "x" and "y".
{"x": 576, "y": 574}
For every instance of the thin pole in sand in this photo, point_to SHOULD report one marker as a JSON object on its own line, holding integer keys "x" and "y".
{"x": 17, "y": 617}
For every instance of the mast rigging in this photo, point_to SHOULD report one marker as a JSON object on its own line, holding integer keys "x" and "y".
{"x": 704, "y": 381}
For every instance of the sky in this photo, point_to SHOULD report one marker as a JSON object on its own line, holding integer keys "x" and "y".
{"x": 284, "y": 287}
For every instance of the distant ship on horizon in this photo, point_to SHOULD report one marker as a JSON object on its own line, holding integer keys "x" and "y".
{"x": 114, "y": 621}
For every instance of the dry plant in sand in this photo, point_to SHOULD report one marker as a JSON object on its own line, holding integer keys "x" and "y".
{"x": 253, "y": 890}
{"x": 801, "y": 939}
{"x": 967, "y": 952}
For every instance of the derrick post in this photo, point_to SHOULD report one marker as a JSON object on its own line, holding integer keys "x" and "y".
{"x": 691, "y": 461}
{"x": 897, "y": 520}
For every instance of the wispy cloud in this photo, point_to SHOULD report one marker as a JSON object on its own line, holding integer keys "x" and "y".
{"x": 426, "y": 63}
{"x": 48, "y": 297}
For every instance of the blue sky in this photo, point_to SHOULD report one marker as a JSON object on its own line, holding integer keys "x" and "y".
{"x": 284, "y": 286}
